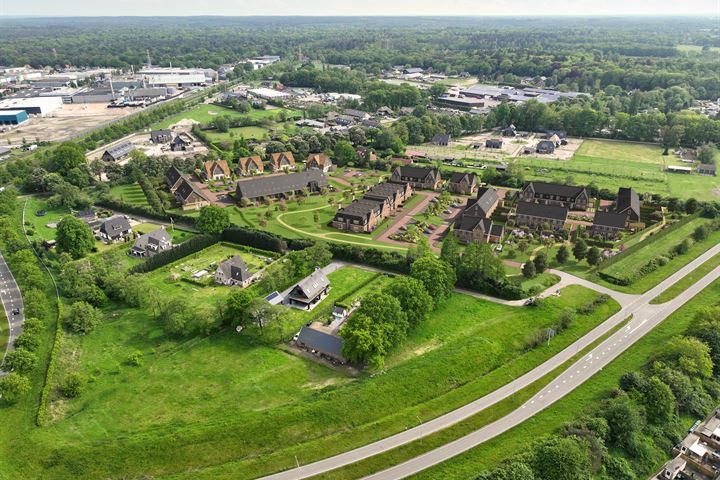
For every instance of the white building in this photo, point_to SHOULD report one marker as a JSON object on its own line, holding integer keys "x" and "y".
{"x": 41, "y": 106}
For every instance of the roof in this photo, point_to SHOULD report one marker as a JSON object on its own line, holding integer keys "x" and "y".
{"x": 359, "y": 208}
{"x": 355, "y": 113}
{"x": 416, "y": 173}
{"x": 213, "y": 165}
{"x": 610, "y": 219}
{"x": 277, "y": 184}
{"x": 627, "y": 198}
{"x": 121, "y": 150}
{"x": 545, "y": 144}
{"x": 543, "y": 188}
{"x": 311, "y": 286}
{"x": 494, "y": 141}
{"x": 458, "y": 177}
{"x": 321, "y": 159}
{"x": 440, "y": 138}
{"x": 153, "y": 238}
{"x": 234, "y": 268}
{"x": 243, "y": 162}
{"x": 160, "y": 133}
{"x": 186, "y": 188}
{"x": 471, "y": 222}
{"x": 553, "y": 212}
{"x": 114, "y": 226}
{"x": 709, "y": 167}
{"x": 173, "y": 175}
{"x": 275, "y": 158}
{"x": 322, "y": 342}
{"x": 385, "y": 190}
{"x": 486, "y": 199}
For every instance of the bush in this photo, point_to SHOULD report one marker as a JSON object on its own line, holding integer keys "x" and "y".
{"x": 73, "y": 385}
{"x": 82, "y": 318}
{"x": 28, "y": 341}
{"x": 14, "y": 386}
{"x": 134, "y": 359}
{"x": 20, "y": 360}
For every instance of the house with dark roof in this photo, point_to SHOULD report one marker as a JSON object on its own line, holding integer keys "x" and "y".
{"x": 234, "y": 272}
{"x": 509, "y": 131}
{"x": 309, "y": 291}
{"x": 545, "y": 147}
{"x": 188, "y": 196}
{"x": 709, "y": 169}
{"x": 282, "y": 161}
{"x": 148, "y": 244}
{"x": 172, "y": 178}
{"x": 392, "y": 193}
{"x": 318, "y": 161}
{"x": 249, "y": 166}
{"x": 321, "y": 343}
{"x": 628, "y": 203}
{"x": 441, "y": 139}
{"x": 357, "y": 115}
{"x": 608, "y": 225}
{"x": 181, "y": 143}
{"x": 572, "y": 197}
{"x": 118, "y": 152}
{"x": 216, "y": 170}
{"x": 463, "y": 183}
{"x": 493, "y": 143}
{"x": 474, "y": 224}
{"x": 560, "y": 134}
{"x": 537, "y": 215}
{"x": 360, "y": 216}
{"x": 161, "y": 136}
{"x": 115, "y": 229}
{"x": 418, "y": 177}
{"x": 259, "y": 188}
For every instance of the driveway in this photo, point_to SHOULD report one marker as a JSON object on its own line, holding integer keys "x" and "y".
{"x": 11, "y": 299}
{"x": 406, "y": 217}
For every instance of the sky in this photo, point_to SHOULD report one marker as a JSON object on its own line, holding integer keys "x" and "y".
{"x": 357, "y": 7}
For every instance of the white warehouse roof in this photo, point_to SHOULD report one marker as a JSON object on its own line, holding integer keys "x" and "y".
{"x": 44, "y": 104}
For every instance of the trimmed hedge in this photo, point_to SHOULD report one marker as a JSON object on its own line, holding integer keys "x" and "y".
{"x": 41, "y": 416}
{"x": 119, "y": 206}
{"x": 256, "y": 238}
{"x": 186, "y": 248}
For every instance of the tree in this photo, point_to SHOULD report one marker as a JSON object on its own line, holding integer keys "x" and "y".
{"x": 659, "y": 401}
{"x": 691, "y": 206}
{"x": 74, "y": 237}
{"x": 706, "y": 327}
{"x": 67, "y": 157}
{"x": 528, "y": 270}
{"x": 213, "y": 220}
{"x": 365, "y": 341}
{"x": 20, "y": 360}
{"x": 561, "y": 458}
{"x": 580, "y": 249}
{"x": 73, "y": 385}
{"x": 562, "y": 255}
{"x": 707, "y": 153}
{"x": 437, "y": 276}
{"x": 593, "y": 256}
{"x": 450, "y": 250}
{"x": 343, "y": 153}
{"x": 82, "y": 318}
{"x": 414, "y": 299}
{"x": 222, "y": 123}
{"x": 13, "y": 386}
{"x": 386, "y": 310}
{"x": 236, "y": 306}
{"x": 690, "y": 355}
{"x": 625, "y": 422}
{"x": 540, "y": 262}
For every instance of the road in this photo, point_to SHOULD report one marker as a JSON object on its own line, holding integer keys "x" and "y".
{"x": 645, "y": 318}
{"x": 11, "y": 299}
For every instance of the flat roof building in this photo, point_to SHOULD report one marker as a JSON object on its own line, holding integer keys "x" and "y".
{"x": 32, "y": 105}
{"x": 13, "y": 117}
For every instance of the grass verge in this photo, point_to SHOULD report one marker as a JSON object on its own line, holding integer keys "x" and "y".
{"x": 687, "y": 281}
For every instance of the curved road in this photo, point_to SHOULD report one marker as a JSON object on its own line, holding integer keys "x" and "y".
{"x": 11, "y": 299}
{"x": 645, "y": 318}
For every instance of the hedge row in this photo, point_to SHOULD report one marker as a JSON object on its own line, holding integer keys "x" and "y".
{"x": 188, "y": 247}
{"x": 41, "y": 416}
{"x": 116, "y": 205}
{"x": 255, "y": 238}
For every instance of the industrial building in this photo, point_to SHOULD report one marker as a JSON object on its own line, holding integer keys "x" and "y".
{"x": 41, "y": 106}
{"x": 518, "y": 95}
{"x": 13, "y": 117}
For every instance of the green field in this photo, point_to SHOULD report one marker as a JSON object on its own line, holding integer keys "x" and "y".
{"x": 206, "y": 113}
{"x": 257, "y": 133}
{"x": 688, "y": 280}
{"x": 492, "y": 453}
{"x": 695, "y": 48}
{"x": 131, "y": 194}
{"x": 40, "y": 224}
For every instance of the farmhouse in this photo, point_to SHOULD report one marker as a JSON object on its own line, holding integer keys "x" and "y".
{"x": 172, "y": 178}
{"x": 189, "y": 197}
{"x": 493, "y": 143}
{"x": 698, "y": 455}
{"x": 115, "y": 229}
{"x": 441, "y": 139}
{"x": 216, "y": 170}
{"x": 463, "y": 183}
{"x": 321, "y": 343}
{"x": 707, "y": 169}
{"x": 575, "y": 198}
{"x": 318, "y": 161}
{"x": 280, "y": 185}
{"x": 608, "y": 224}
{"x": 118, "y": 152}
{"x": 148, "y": 244}
{"x": 360, "y": 216}
{"x": 234, "y": 272}
{"x": 309, "y": 291}
{"x": 418, "y": 177}
{"x": 282, "y": 161}
{"x": 249, "y": 165}
{"x": 161, "y": 136}
{"x": 560, "y": 134}
{"x": 628, "y": 203}
{"x": 181, "y": 143}
{"x": 357, "y": 115}
{"x": 545, "y": 147}
{"x": 536, "y": 215}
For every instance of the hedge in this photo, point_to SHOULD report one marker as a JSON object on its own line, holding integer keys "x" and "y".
{"x": 119, "y": 206}
{"x": 41, "y": 416}
{"x": 188, "y": 247}
{"x": 255, "y": 238}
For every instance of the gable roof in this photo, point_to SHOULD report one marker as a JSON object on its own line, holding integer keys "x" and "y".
{"x": 485, "y": 199}
{"x": 707, "y": 167}
{"x": 275, "y": 158}
{"x": 156, "y": 237}
{"x": 470, "y": 222}
{"x": 181, "y": 139}
{"x": 494, "y": 142}
{"x": 350, "y": 112}
{"x": 553, "y": 212}
{"x": 311, "y": 286}
{"x": 628, "y": 199}
{"x": 440, "y": 138}
{"x": 213, "y": 165}
{"x": 545, "y": 145}
{"x": 458, "y": 177}
{"x": 360, "y": 209}
{"x": 322, "y": 342}
{"x": 234, "y": 268}
{"x": 385, "y": 190}
{"x": 244, "y": 162}
{"x": 155, "y": 134}
{"x": 115, "y": 226}
{"x": 544, "y": 188}
{"x": 320, "y": 159}
{"x": 186, "y": 188}
{"x": 173, "y": 175}
{"x": 610, "y": 219}
{"x": 417, "y": 174}
{"x": 120, "y": 151}
{"x": 277, "y": 184}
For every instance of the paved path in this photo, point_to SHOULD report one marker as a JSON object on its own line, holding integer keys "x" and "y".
{"x": 406, "y": 217}
{"x": 645, "y": 318}
{"x": 11, "y": 299}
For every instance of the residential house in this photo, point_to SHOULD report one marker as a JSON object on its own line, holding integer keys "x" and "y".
{"x": 474, "y": 224}
{"x": 87, "y": 216}
{"x": 463, "y": 183}
{"x": 188, "y": 196}
{"x": 259, "y": 188}
{"x": 385, "y": 112}
{"x": 115, "y": 229}
{"x": 172, "y": 178}
{"x": 608, "y": 225}
{"x": 493, "y": 143}
{"x": 249, "y": 166}
{"x": 161, "y": 136}
{"x": 574, "y": 198}
{"x": 559, "y": 134}
{"x": 118, "y": 153}
{"x": 357, "y": 115}
{"x": 339, "y": 313}
{"x": 406, "y": 111}
{"x": 282, "y": 161}
{"x": 537, "y": 215}
{"x": 181, "y": 143}
{"x": 321, "y": 343}
{"x": 318, "y": 161}
{"x": 418, "y": 177}
{"x": 545, "y": 147}
{"x": 216, "y": 170}
{"x": 509, "y": 131}
{"x": 148, "y": 244}
{"x": 234, "y": 272}
{"x": 309, "y": 291}
{"x": 441, "y": 139}
{"x": 360, "y": 216}
{"x": 709, "y": 169}
{"x": 628, "y": 203}
{"x": 392, "y": 193}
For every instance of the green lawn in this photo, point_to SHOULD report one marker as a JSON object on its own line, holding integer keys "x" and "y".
{"x": 178, "y": 235}
{"x": 131, "y": 194}
{"x": 206, "y": 113}
{"x": 492, "y": 453}
{"x": 257, "y": 133}
{"x": 40, "y": 224}
{"x": 688, "y": 280}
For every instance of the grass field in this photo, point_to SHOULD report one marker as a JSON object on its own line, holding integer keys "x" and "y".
{"x": 206, "y": 113}
{"x": 688, "y": 280}
{"x": 39, "y": 224}
{"x": 257, "y": 133}
{"x": 492, "y": 453}
{"x": 695, "y": 48}
{"x": 131, "y": 194}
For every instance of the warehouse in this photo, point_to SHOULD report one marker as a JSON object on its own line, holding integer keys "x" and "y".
{"x": 13, "y": 117}
{"x": 33, "y": 105}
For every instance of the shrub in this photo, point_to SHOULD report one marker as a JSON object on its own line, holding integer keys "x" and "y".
{"x": 134, "y": 359}
{"x": 82, "y": 318}
{"x": 73, "y": 385}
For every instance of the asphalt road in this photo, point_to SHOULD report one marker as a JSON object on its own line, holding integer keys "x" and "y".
{"x": 11, "y": 299}
{"x": 645, "y": 318}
